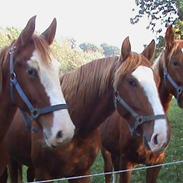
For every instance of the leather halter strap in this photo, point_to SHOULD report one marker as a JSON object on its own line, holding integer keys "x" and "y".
{"x": 167, "y": 77}
{"x": 33, "y": 113}
{"x": 138, "y": 119}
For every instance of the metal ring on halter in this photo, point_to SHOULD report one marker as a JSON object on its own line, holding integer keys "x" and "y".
{"x": 35, "y": 113}
{"x": 179, "y": 90}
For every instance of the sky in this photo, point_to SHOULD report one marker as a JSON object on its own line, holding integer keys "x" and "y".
{"x": 95, "y": 21}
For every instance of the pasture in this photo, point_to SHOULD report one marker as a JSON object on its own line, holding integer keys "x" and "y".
{"x": 168, "y": 174}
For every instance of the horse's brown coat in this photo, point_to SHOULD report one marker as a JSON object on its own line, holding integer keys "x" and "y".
{"x": 118, "y": 144}
{"x": 89, "y": 93}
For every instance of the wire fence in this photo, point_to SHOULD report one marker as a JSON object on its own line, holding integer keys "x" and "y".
{"x": 110, "y": 173}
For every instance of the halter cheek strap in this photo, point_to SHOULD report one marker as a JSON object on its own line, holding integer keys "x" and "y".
{"x": 167, "y": 77}
{"x": 33, "y": 113}
{"x": 138, "y": 119}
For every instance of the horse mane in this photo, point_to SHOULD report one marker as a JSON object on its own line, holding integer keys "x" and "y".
{"x": 128, "y": 66}
{"x": 89, "y": 81}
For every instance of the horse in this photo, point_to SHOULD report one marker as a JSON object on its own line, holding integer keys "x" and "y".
{"x": 96, "y": 89}
{"x": 124, "y": 151}
{"x": 30, "y": 81}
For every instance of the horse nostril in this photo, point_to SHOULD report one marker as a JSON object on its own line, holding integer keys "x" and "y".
{"x": 155, "y": 139}
{"x": 59, "y": 134}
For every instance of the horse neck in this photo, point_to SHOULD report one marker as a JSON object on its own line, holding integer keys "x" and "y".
{"x": 89, "y": 109}
{"x": 164, "y": 92}
{"x": 7, "y": 110}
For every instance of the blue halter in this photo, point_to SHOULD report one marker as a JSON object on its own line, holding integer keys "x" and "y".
{"x": 138, "y": 119}
{"x": 33, "y": 113}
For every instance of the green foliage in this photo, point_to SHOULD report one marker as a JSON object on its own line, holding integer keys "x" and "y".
{"x": 8, "y": 35}
{"x": 163, "y": 11}
{"x": 159, "y": 46}
{"x": 89, "y": 47}
{"x": 110, "y": 50}
{"x": 179, "y": 29}
{"x": 72, "y": 58}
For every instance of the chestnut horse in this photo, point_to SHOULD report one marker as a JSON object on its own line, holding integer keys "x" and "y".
{"x": 127, "y": 149}
{"x": 91, "y": 94}
{"x": 30, "y": 81}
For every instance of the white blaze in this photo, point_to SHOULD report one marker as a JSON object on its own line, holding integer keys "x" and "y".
{"x": 146, "y": 79}
{"x": 49, "y": 77}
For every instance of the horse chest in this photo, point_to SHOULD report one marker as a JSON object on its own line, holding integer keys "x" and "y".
{"x": 73, "y": 159}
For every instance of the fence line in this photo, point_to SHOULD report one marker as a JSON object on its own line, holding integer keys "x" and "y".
{"x": 109, "y": 173}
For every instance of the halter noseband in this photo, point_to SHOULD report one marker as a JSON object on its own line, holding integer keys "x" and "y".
{"x": 167, "y": 77}
{"x": 139, "y": 119}
{"x": 34, "y": 112}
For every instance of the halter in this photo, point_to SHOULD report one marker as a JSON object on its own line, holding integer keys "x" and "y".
{"x": 33, "y": 113}
{"x": 167, "y": 77}
{"x": 139, "y": 119}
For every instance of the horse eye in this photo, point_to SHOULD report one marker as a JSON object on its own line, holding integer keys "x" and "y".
{"x": 132, "y": 82}
{"x": 32, "y": 72}
{"x": 175, "y": 63}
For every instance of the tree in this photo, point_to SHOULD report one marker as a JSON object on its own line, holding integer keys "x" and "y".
{"x": 8, "y": 35}
{"x": 164, "y": 11}
{"x": 88, "y": 47}
{"x": 73, "y": 43}
{"x": 110, "y": 50}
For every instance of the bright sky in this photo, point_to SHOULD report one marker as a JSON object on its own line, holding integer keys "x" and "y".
{"x": 94, "y": 21}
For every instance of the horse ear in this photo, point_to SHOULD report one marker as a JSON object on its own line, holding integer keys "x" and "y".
{"x": 49, "y": 33}
{"x": 26, "y": 33}
{"x": 125, "y": 49}
{"x": 149, "y": 50}
{"x": 169, "y": 38}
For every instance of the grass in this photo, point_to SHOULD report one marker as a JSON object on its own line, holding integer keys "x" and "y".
{"x": 168, "y": 174}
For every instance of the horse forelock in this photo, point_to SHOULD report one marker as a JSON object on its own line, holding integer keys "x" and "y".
{"x": 128, "y": 66}
{"x": 40, "y": 45}
{"x": 43, "y": 48}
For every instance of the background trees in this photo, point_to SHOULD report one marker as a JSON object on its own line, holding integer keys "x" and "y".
{"x": 68, "y": 52}
{"x": 164, "y": 12}
{"x": 160, "y": 13}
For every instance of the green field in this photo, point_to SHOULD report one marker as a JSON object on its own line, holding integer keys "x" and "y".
{"x": 169, "y": 174}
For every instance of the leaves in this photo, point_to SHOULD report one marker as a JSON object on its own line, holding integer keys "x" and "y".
{"x": 159, "y": 12}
